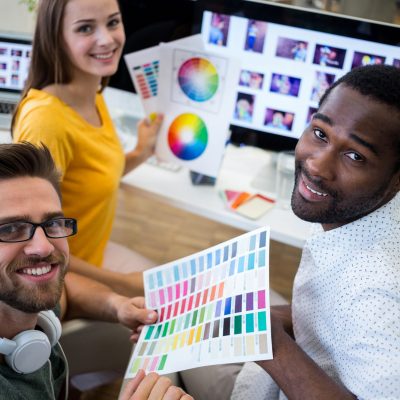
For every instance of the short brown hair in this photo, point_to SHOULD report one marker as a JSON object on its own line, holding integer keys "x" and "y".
{"x": 25, "y": 159}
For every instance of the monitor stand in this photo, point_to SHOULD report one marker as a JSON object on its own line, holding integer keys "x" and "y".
{"x": 265, "y": 178}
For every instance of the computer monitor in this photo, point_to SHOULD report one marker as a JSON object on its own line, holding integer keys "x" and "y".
{"x": 15, "y": 52}
{"x": 289, "y": 56}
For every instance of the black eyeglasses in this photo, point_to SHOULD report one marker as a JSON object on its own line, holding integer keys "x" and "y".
{"x": 22, "y": 231}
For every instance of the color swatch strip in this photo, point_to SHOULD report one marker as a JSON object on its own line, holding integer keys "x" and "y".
{"x": 146, "y": 76}
{"x": 213, "y": 308}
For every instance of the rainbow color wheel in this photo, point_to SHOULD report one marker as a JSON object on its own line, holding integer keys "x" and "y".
{"x": 198, "y": 79}
{"x": 187, "y": 136}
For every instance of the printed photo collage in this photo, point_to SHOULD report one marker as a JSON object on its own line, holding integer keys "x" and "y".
{"x": 14, "y": 65}
{"x": 285, "y": 70}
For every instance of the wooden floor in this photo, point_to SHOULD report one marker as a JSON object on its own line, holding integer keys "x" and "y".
{"x": 164, "y": 233}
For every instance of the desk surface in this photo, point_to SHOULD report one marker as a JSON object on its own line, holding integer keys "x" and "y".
{"x": 239, "y": 168}
{"x": 177, "y": 189}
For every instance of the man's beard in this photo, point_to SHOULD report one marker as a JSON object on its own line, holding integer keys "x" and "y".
{"x": 340, "y": 208}
{"x": 37, "y": 297}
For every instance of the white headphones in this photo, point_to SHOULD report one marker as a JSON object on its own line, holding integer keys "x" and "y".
{"x": 29, "y": 350}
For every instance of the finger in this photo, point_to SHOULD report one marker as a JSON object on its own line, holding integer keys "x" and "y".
{"x": 139, "y": 301}
{"x": 134, "y": 317}
{"x": 145, "y": 387}
{"x": 160, "y": 388}
{"x": 132, "y": 385}
{"x": 176, "y": 393}
{"x": 134, "y": 337}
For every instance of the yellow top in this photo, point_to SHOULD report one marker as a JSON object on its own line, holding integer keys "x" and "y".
{"x": 91, "y": 160}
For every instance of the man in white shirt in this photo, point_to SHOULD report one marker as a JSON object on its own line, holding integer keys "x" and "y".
{"x": 340, "y": 337}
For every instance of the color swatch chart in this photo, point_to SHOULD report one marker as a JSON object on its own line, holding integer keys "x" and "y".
{"x": 146, "y": 77}
{"x": 213, "y": 308}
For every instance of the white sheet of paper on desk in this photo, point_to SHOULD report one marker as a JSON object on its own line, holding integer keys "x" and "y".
{"x": 213, "y": 308}
{"x": 143, "y": 67}
{"x": 197, "y": 98}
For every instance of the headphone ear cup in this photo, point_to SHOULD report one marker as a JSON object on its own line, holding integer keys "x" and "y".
{"x": 33, "y": 347}
{"x": 32, "y": 351}
{"x": 51, "y": 326}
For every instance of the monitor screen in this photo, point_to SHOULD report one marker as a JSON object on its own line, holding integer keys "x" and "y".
{"x": 289, "y": 56}
{"x": 15, "y": 52}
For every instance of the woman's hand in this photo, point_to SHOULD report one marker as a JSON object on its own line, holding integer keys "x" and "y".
{"x": 147, "y": 131}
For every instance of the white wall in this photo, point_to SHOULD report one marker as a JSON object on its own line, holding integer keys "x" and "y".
{"x": 15, "y": 17}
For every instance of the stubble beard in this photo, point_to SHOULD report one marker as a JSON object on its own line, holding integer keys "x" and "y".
{"x": 35, "y": 297}
{"x": 340, "y": 209}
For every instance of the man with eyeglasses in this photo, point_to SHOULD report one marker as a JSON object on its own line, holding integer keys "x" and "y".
{"x": 33, "y": 264}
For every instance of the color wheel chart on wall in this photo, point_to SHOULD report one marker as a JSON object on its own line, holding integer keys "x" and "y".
{"x": 199, "y": 79}
{"x": 213, "y": 308}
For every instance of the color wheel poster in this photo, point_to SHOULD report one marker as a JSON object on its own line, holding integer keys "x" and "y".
{"x": 213, "y": 308}
{"x": 143, "y": 67}
{"x": 197, "y": 103}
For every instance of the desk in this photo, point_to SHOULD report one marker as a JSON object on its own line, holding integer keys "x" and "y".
{"x": 238, "y": 170}
{"x": 175, "y": 187}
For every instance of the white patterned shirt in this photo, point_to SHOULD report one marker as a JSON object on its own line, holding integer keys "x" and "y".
{"x": 346, "y": 309}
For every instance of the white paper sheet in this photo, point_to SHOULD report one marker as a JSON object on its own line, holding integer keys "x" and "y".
{"x": 143, "y": 67}
{"x": 197, "y": 98}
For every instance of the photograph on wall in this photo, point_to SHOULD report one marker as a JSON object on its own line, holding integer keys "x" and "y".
{"x": 16, "y": 53}
{"x": 15, "y": 79}
{"x": 251, "y": 79}
{"x": 322, "y": 81}
{"x": 363, "y": 59}
{"x": 311, "y": 111}
{"x": 219, "y": 29}
{"x": 255, "y": 36}
{"x": 15, "y": 65}
{"x": 244, "y": 107}
{"x": 284, "y": 84}
{"x": 278, "y": 119}
{"x": 329, "y": 56}
{"x": 292, "y": 49}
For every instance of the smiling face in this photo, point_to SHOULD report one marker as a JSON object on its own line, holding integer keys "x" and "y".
{"x": 31, "y": 272}
{"x": 94, "y": 37}
{"x": 346, "y": 160}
